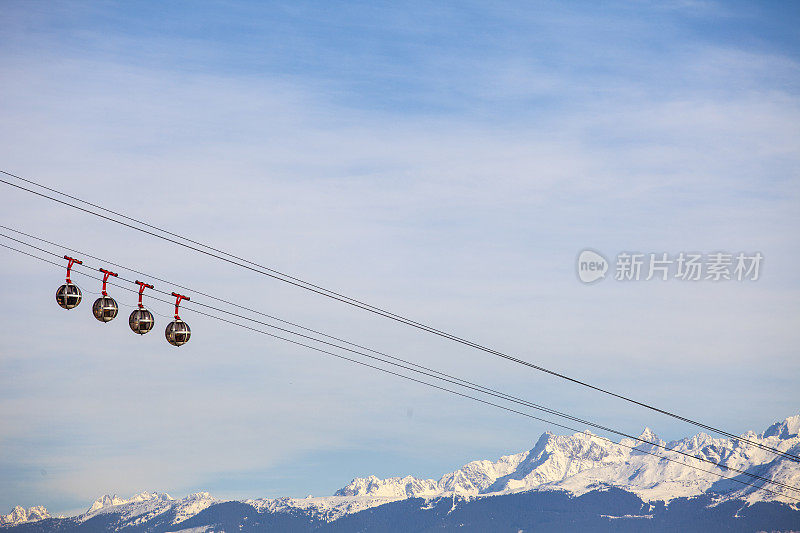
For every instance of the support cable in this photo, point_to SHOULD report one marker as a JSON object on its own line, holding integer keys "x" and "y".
{"x": 455, "y": 382}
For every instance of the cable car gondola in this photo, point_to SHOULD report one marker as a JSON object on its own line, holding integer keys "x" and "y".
{"x": 141, "y": 320}
{"x": 105, "y": 308}
{"x": 178, "y": 332}
{"x": 69, "y": 295}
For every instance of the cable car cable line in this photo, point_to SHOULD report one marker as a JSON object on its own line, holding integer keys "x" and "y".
{"x": 488, "y": 390}
{"x": 672, "y": 460}
{"x": 275, "y": 274}
{"x": 762, "y": 487}
{"x": 455, "y": 381}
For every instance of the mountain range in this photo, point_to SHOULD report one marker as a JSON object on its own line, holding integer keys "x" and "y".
{"x": 575, "y": 481}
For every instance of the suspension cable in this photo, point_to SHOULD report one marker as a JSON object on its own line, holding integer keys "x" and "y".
{"x": 286, "y": 278}
{"x": 455, "y": 381}
{"x": 770, "y": 449}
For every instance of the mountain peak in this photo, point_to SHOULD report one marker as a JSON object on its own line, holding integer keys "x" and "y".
{"x": 394, "y": 487}
{"x": 191, "y": 505}
{"x": 787, "y": 429}
{"x": 109, "y": 501}
{"x": 19, "y": 515}
{"x": 649, "y": 435}
{"x": 106, "y": 500}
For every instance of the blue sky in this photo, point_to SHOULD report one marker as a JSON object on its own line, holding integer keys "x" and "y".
{"x": 446, "y": 161}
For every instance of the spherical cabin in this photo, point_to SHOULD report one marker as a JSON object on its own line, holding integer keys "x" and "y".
{"x": 141, "y": 321}
{"x": 105, "y": 309}
{"x": 177, "y": 333}
{"x": 68, "y": 296}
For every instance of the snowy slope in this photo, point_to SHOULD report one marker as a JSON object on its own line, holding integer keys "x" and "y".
{"x": 575, "y": 464}
{"x": 145, "y": 506}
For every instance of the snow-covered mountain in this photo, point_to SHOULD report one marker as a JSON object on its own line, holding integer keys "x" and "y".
{"x": 583, "y": 461}
{"x": 19, "y": 515}
{"x": 147, "y": 505}
{"x": 573, "y": 465}
{"x": 135, "y": 510}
